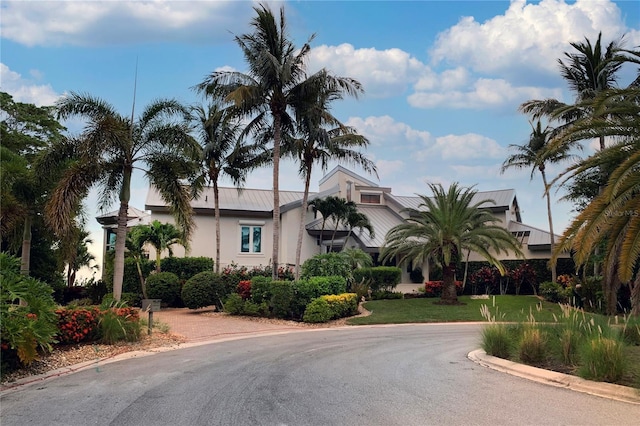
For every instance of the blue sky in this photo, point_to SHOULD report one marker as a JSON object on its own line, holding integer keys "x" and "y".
{"x": 442, "y": 79}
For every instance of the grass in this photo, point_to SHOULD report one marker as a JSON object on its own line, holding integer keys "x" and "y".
{"x": 509, "y": 309}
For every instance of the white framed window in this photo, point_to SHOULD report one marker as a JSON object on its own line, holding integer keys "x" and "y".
{"x": 250, "y": 237}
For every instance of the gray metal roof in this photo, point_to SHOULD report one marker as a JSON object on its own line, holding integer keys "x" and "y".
{"x": 250, "y": 200}
{"x": 538, "y": 238}
{"x": 112, "y": 217}
{"x": 503, "y": 199}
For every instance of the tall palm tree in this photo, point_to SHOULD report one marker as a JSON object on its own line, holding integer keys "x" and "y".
{"x": 276, "y": 67}
{"x": 324, "y": 138}
{"x": 268, "y": 93}
{"x": 324, "y": 206}
{"x": 613, "y": 217}
{"x": 341, "y": 209}
{"x": 223, "y": 154}
{"x": 445, "y": 226}
{"x": 105, "y": 155}
{"x": 535, "y": 155}
{"x": 135, "y": 250}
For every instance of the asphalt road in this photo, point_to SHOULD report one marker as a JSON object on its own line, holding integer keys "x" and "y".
{"x": 397, "y": 375}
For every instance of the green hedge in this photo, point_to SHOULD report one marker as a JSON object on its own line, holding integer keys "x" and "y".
{"x": 380, "y": 278}
{"x": 186, "y": 267}
{"x": 331, "y": 306}
{"x": 165, "y": 286}
{"x": 204, "y": 289}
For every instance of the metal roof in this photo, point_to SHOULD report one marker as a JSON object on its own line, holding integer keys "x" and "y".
{"x": 503, "y": 199}
{"x": 538, "y": 238}
{"x": 111, "y": 218}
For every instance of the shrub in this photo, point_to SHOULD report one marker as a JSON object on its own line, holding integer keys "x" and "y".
{"x": 386, "y": 295}
{"x": 485, "y": 280}
{"x": 554, "y": 292}
{"x": 602, "y": 359}
{"x": 234, "y": 305}
{"x": 186, "y": 267}
{"x": 532, "y": 347}
{"x": 434, "y": 288}
{"x": 96, "y": 290}
{"x": 496, "y": 341}
{"x": 327, "y": 264}
{"x": 317, "y": 311}
{"x": 119, "y": 323}
{"x": 260, "y": 289}
{"x": 342, "y": 305}
{"x": 165, "y": 286}
{"x": 198, "y": 291}
{"x": 281, "y": 297}
{"x": 29, "y": 326}
{"x": 379, "y": 277}
{"x": 244, "y": 289}
{"x": 130, "y": 299}
{"x": 78, "y": 325}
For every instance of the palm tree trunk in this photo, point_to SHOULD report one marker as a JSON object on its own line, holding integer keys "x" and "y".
{"x": 551, "y": 237}
{"x": 25, "y": 258}
{"x": 449, "y": 294}
{"x": 303, "y": 214}
{"x": 216, "y": 201}
{"x": 121, "y": 235}
{"x": 158, "y": 253}
{"x": 142, "y": 281}
{"x": 276, "y": 195}
{"x": 466, "y": 270}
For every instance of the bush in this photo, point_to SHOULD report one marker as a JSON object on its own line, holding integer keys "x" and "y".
{"x": 96, "y": 290}
{"x": 130, "y": 280}
{"x": 78, "y": 325}
{"x": 386, "y": 295}
{"x": 532, "y": 347}
{"x": 30, "y": 325}
{"x": 602, "y": 359}
{"x": 327, "y": 264}
{"x": 234, "y": 305}
{"x": 496, "y": 341}
{"x": 198, "y": 292}
{"x": 129, "y": 299}
{"x": 434, "y": 288}
{"x": 555, "y": 292}
{"x": 165, "y": 286}
{"x": 342, "y": 305}
{"x": 119, "y": 323}
{"x": 244, "y": 289}
{"x": 186, "y": 267}
{"x": 379, "y": 278}
{"x": 334, "y": 284}
{"x": 281, "y": 297}
{"x": 260, "y": 289}
{"x": 317, "y": 311}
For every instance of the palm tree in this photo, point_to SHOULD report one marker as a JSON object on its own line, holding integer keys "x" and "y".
{"x": 442, "y": 228}
{"x": 318, "y": 144}
{"x": 324, "y": 206}
{"x": 161, "y": 236}
{"x": 355, "y": 219}
{"x": 340, "y": 211}
{"x": 77, "y": 254}
{"x": 105, "y": 155}
{"x": 612, "y": 217}
{"x": 135, "y": 250}
{"x": 223, "y": 154}
{"x": 535, "y": 155}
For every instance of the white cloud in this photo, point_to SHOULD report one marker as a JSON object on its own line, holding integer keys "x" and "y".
{"x": 464, "y": 147}
{"x": 90, "y": 23}
{"x": 26, "y": 90}
{"x": 383, "y": 73}
{"x": 389, "y": 168}
{"x": 483, "y": 93}
{"x": 527, "y": 37}
{"x": 384, "y": 130}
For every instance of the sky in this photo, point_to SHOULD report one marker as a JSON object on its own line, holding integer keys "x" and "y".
{"x": 443, "y": 79}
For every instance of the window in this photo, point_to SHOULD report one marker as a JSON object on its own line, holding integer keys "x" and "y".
{"x": 111, "y": 240}
{"x": 370, "y": 198}
{"x": 250, "y": 239}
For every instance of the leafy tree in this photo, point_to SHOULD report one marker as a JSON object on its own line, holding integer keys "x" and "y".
{"x": 26, "y": 130}
{"x": 324, "y": 206}
{"x": 161, "y": 236}
{"x": 354, "y": 219}
{"x": 535, "y": 155}
{"x": 110, "y": 147}
{"x": 443, "y": 227}
{"x": 79, "y": 255}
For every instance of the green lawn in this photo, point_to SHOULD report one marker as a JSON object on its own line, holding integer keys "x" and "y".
{"x": 508, "y": 308}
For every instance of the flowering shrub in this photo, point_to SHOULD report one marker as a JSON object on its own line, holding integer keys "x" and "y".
{"x": 244, "y": 289}
{"x": 119, "y": 323}
{"x": 485, "y": 280}
{"x": 434, "y": 288}
{"x": 77, "y": 325}
{"x": 331, "y": 306}
{"x": 523, "y": 274}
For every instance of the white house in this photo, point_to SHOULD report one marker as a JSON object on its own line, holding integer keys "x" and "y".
{"x": 246, "y": 221}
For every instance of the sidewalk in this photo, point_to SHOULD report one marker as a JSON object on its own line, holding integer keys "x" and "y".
{"x": 197, "y": 325}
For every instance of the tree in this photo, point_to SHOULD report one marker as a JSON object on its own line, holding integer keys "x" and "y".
{"x": 223, "y": 154}
{"x": 355, "y": 219}
{"x": 535, "y": 155}
{"x": 274, "y": 86}
{"x": 324, "y": 206}
{"x": 105, "y": 155}
{"x": 26, "y": 130}
{"x": 161, "y": 236}
{"x": 442, "y": 228}
{"x": 323, "y": 138}
{"x": 135, "y": 250}
{"x": 612, "y": 217}
{"x": 78, "y": 256}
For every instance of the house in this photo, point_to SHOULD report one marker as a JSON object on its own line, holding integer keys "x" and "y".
{"x": 246, "y": 221}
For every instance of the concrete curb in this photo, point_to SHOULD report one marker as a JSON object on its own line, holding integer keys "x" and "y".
{"x": 605, "y": 390}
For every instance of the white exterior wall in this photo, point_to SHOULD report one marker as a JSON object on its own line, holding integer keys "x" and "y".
{"x": 289, "y": 228}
